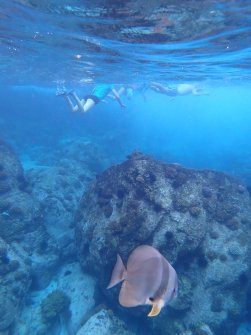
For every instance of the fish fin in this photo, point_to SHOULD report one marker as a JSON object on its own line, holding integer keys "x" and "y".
{"x": 118, "y": 273}
{"x": 155, "y": 310}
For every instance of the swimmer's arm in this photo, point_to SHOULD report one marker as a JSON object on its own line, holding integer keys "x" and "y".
{"x": 120, "y": 92}
{"x": 79, "y": 105}
{"x": 117, "y": 97}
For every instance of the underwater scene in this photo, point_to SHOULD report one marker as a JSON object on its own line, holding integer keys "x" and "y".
{"x": 125, "y": 167}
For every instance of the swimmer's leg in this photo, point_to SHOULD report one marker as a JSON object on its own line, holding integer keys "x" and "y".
{"x": 88, "y": 105}
{"x": 80, "y": 103}
{"x": 73, "y": 108}
{"x": 83, "y": 106}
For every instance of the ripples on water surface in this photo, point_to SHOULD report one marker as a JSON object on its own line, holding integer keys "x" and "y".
{"x": 46, "y": 41}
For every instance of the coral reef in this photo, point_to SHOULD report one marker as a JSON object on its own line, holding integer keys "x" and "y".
{"x": 15, "y": 281}
{"x": 58, "y": 189}
{"x": 53, "y": 305}
{"x": 22, "y": 234}
{"x": 77, "y": 286}
{"x": 197, "y": 219}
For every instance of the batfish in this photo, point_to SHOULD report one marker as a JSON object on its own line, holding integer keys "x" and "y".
{"x": 148, "y": 279}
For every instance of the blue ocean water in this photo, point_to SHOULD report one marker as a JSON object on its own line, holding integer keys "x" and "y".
{"x": 46, "y": 46}
{"x": 196, "y": 131}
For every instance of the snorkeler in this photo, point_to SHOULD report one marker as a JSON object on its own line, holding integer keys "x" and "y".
{"x": 181, "y": 89}
{"x": 89, "y": 101}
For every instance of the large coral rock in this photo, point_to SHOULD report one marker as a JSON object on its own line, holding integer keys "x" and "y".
{"x": 20, "y": 214}
{"x": 199, "y": 220}
{"x": 104, "y": 323}
{"x": 23, "y": 234}
{"x": 14, "y": 283}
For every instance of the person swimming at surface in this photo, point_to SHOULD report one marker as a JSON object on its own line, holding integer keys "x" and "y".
{"x": 99, "y": 92}
{"x": 180, "y": 89}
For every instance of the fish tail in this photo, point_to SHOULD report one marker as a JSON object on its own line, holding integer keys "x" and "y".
{"x": 156, "y": 307}
{"x": 118, "y": 273}
{"x": 155, "y": 310}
